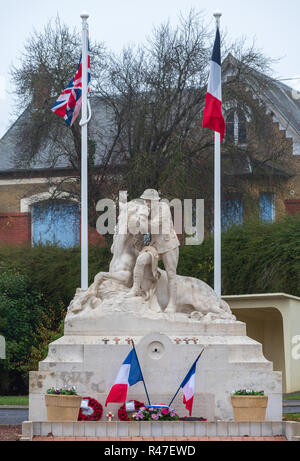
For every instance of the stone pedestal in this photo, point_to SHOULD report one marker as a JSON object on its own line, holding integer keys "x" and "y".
{"x": 91, "y": 352}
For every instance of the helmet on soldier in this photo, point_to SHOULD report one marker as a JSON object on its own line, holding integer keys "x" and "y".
{"x": 150, "y": 194}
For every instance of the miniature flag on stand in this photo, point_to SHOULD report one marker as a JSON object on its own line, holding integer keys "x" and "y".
{"x": 130, "y": 373}
{"x": 213, "y": 117}
{"x": 188, "y": 386}
{"x": 69, "y": 103}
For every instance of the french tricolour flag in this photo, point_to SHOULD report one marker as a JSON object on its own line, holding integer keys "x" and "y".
{"x": 213, "y": 117}
{"x": 188, "y": 386}
{"x": 130, "y": 373}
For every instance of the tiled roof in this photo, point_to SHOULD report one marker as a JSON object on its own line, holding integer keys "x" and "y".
{"x": 48, "y": 157}
{"x": 279, "y": 97}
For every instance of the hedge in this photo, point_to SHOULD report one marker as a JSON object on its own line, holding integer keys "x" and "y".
{"x": 28, "y": 322}
{"x": 256, "y": 258}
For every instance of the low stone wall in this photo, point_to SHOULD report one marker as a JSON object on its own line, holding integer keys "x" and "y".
{"x": 117, "y": 429}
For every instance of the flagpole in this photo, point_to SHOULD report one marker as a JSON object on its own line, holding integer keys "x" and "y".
{"x": 84, "y": 156}
{"x": 133, "y": 345}
{"x": 186, "y": 375}
{"x": 217, "y": 207}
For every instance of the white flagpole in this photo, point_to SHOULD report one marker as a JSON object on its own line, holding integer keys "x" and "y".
{"x": 84, "y": 156}
{"x": 217, "y": 211}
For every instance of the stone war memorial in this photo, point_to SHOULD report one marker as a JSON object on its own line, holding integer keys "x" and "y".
{"x": 170, "y": 317}
{"x": 150, "y": 352}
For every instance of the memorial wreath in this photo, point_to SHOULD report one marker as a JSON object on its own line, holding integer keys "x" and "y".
{"x": 122, "y": 413}
{"x": 93, "y": 412}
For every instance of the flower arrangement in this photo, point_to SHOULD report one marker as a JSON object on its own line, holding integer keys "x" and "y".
{"x": 122, "y": 413}
{"x": 156, "y": 414}
{"x": 248, "y": 392}
{"x": 64, "y": 391}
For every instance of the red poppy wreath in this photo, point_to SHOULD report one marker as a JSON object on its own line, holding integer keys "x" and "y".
{"x": 122, "y": 413}
{"x": 93, "y": 412}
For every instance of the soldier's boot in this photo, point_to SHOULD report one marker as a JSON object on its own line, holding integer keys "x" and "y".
{"x": 137, "y": 280}
{"x": 138, "y": 275}
{"x": 135, "y": 291}
{"x": 171, "y": 307}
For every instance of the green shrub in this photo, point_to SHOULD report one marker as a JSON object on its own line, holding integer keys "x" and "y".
{"x": 53, "y": 270}
{"x": 256, "y": 258}
{"x": 27, "y": 320}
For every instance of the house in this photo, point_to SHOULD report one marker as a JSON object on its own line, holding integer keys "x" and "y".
{"x": 32, "y": 208}
{"x": 28, "y": 213}
{"x": 281, "y": 106}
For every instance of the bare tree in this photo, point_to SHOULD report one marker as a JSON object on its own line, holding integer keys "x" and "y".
{"x": 148, "y": 105}
{"x": 48, "y": 63}
{"x": 157, "y": 93}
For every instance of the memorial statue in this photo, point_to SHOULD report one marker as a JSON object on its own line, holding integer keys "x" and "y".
{"x": 135, "y": 283}
{"x": 163, "y": 244}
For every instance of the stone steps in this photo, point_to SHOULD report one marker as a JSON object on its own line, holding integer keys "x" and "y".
{"x": 118, "y": 429}
{"x": 242, "y": 351}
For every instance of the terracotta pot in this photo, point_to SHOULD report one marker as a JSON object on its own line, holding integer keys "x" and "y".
{"x": 62, "y": 407}
{"x": 249, "y": 407}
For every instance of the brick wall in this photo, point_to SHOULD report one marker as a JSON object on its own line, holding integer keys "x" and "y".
{"x": 292, "y": 206}
{"x": 15, "y": 228}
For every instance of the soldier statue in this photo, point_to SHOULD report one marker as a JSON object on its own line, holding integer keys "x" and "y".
{"x": 160, "y": 243}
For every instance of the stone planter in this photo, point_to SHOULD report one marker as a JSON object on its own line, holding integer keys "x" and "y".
{"x": 62, "y": 407}
{"x": 249, "y": 407}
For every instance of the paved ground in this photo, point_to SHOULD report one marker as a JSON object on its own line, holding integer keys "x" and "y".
{"x": 291, "y": 406}
{"x": 10, "y": 433}
{"x": 13, "y": 415}
{"x": 161, "y": 439}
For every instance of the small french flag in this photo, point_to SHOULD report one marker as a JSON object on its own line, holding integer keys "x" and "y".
{"x": 188, "y": 386}
{"x": 213, "y": 117}
{"x": 130, "y": 373}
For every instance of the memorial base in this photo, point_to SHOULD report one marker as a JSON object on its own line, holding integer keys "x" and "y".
{"x": 89, "y": 357}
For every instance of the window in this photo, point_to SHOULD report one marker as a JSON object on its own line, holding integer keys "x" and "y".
{"x": 232, "y": 212}
{"x": 267, "y": 207}
{"x": 242, "y": 128}
{"x": 230, "y": 127}
{"x": 236, "y": 127}
{"x": 56, "y": 223}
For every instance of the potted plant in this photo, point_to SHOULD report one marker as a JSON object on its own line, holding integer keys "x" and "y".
{"x": 62, "y": 404}
{"x": 249, "y": 405}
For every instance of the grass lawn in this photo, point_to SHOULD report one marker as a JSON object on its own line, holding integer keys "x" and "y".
{"x": 291, "y": 417}
{"x": 11, "y": 400}
{"x": 292, "y": 397}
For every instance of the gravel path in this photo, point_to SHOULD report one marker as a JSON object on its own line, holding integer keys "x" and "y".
{"x": 10, "y": 433}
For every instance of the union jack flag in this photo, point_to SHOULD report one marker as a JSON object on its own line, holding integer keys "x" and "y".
{"x": 69, "y": 103}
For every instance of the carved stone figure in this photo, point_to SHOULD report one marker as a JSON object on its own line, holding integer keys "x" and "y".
{"x": 162, "y": 244}
{"x": 134, "y": 282}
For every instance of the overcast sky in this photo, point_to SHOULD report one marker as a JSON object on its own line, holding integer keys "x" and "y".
{"x": 274, "y": 24}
